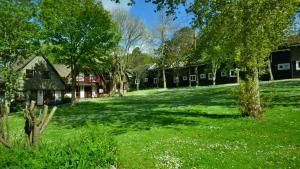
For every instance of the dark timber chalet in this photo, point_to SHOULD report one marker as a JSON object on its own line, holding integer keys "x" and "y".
{"x": 88, "y": 85}
{"x": 38, "y": 81}
{"x": 285, "y": 64}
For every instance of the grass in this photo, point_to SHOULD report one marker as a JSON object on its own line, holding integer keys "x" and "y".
{"x": 189, "y": 127}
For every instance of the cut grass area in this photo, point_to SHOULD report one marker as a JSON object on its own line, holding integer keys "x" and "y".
{"x": 190, "y": 127}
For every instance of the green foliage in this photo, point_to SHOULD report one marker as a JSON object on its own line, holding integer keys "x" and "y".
{"x": 138, "y": 62}
{"x": 17, "y": 30}
{"x": 87, "y": 149}
{"x": 179, "y": 49}
{"x": 80, "y": 32}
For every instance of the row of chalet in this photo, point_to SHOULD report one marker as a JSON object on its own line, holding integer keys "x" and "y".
{"x": 285, "y": 64}
{"x": 44, "y": 82}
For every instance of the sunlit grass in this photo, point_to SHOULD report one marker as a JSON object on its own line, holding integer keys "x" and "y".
{"x": 197, "y": 127}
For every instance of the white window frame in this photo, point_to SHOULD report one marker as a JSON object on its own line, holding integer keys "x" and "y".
{"x": 210, "y": 76}
{"x": 231, "y": 74}
{"x": 223, "y": 74}
{"x": 298, "y": 65}
{"x": 285, "y": 66}
{"x": 146, "y": 80}
{"x": 203, "y": 76}
{"x": 155, "y": 80}
{"x": 184, "y": 78}
{"x": 176, "y": 79}
{"x": 193, "y": 79}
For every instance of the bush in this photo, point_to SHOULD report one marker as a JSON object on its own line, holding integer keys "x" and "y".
{"x": 86, "y": 150}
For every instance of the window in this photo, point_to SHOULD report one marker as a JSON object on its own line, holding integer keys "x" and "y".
{"x": 223, "y": 74}
{"x": 203, "y": 76}
{"x": 298, "y": 65}
{"x": 193, "y": 78}
{"x": 184, "y": 78}
{"x": 176, "y": 79}
{"x": 284, "y": 66}
{"x": 29, "y": 73}
{"x": 232, "y": 73}
{"x": 45, "y": 74}
{"x": 137, "y": 81}
{"x": 155, "y": 80}
{"x": 146, "y": 80}
{"x": 210, "y": 76}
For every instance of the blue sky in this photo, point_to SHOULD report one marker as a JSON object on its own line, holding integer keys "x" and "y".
{"x": 145, "y": 11}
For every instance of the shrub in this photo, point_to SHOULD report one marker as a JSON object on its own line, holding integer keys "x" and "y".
{"x": 86, "y": 150}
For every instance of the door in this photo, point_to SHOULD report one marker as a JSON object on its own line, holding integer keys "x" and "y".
{"x": 40, "y": 97}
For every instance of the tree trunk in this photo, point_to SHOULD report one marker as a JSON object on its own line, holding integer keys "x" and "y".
{"x": 214, "y": 73}
{"x": 137, "y": 86}
{"x": 158, "y": 76}
{"x": 189, "y": 77}
{"x": 270, "y": 71}
{"x": 4, "y": 124}
{"x": 73, "y": 84}
{"x": 238, "y": 76}
{"x": 251, "y": 94}
{"x": 164, "y": 77}
{"x": 34, "y": 126}
{"x": 177, "y": 79}
{"x": 121, "y": 89}
{"x": 197, "y": 78}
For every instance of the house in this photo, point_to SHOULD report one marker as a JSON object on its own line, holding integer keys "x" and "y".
{"x": 285, "y": 64}
{"x": 38, "y": 81}
{"x": 88, "y": 84}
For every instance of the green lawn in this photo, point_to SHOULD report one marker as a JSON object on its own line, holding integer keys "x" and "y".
{"x": 196, "y": 127}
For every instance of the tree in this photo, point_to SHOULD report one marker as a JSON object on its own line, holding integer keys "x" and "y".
{"x": 179, "y": 49}
{"x": 80, "y": 31}
{"x": 17, "y": 41}
{"x": 164, "y": 29}
{"x": 138, "y": 62}
{"x": 256, "y": 27}
{"x": 213, "y": 39}
{"x": 133, "y": 34}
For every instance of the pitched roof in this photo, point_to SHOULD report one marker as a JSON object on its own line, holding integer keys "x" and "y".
{"x": 62, "y": 70}
{"x": 21, "y": 64}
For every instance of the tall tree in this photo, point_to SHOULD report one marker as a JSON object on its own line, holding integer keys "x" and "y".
{"x": 133, "y": 34}
{"x": 81, "y": 31}
{"x": 164, "y": 29}
{"x": 179, "y": 49}
{"x": 256, "y": 27}
{"x": 17, "y": 41}
{"x": 138, "y": 63}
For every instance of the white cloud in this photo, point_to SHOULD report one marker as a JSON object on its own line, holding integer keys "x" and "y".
{"x": 111, "y": 6}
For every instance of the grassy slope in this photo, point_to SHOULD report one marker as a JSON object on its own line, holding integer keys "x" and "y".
{"x": 197, "y": 127}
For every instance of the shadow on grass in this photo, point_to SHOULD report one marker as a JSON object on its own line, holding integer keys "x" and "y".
{"x": 141, "y": 112}
{"x": 167, "y": 108}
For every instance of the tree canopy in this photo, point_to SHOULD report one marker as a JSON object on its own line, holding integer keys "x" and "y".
{"x": 81, "y": 33}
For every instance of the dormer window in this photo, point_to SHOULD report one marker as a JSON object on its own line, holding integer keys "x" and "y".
{"x": 29, "y": 73}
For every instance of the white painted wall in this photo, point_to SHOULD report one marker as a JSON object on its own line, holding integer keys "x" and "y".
{"x": 58, "y": 95}
{"x": 94, "y": 91}
{"x": 81, "y": 91}
{"x": 40, "y": 97}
